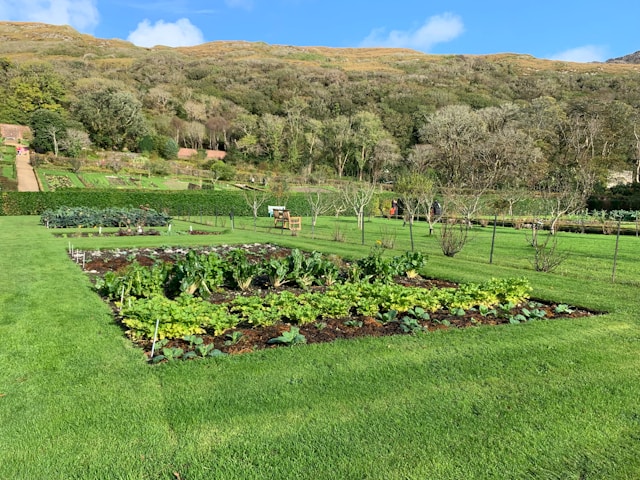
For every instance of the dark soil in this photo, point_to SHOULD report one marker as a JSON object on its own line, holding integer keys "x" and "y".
{"x": 255, "y": 338}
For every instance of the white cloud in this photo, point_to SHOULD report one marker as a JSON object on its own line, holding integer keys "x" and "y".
{"x": 585, "y": 54}
{"x": 80, "y": 14}
{"x": 437, "y": 29}
{"x": 182, "y": 33}
{"x": 244, "y": 4}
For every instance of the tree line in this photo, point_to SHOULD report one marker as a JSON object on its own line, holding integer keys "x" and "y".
{"x": 469, "y": 123}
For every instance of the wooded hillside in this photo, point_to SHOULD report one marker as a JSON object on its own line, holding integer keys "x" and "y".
{"x": 368, "y": 113}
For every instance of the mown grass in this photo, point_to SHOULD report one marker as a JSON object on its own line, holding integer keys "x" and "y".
{"x": 7, "y": 153}
{"x": 110, "y": 180}
{"x": 543, "y": 400}
{"x": 8, "y": 171}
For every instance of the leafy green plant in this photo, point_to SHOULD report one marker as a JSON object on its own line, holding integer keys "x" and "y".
{"x": 239, "y": 271}
{"x": 193, "y": 340}
{"x": 254, "y": 310}
{"x": 487, "y": 311}
{"x": 313, "y": 268}
{"x": 443, "y": 322}
{"x": 196, "y": 273}
{"x": 535, "y": 313}
{"x": 376, "y": 267}
{"x": 418, "y": 313}
{"x": 325, "y": 271}
{"x": 185, "y": 315}
{"x": 68, "y": 216}
{"x": 135, "y": 280}
{"x": 410, "y": 325}
{"x": 563, "y": 308}
{"x": 367, "y": 305}
{"x": 409, "y": 264}
{"x": 233, "y": 337}
{"x": 354, "y": 273}
{"x": 388, "y": 316}
{"x": 353, "y": 323}
{"x": 208, "y": 350}
{"x": 291, "y": 337}
{"x": 277, "y": 271}
{"x": 506, "y": 307}
{"x": 170, "y": 354}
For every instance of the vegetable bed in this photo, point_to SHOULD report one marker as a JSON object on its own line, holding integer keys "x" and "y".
{"x": 229, "y": 300}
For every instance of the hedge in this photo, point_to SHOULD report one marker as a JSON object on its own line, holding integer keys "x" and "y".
{"x": 174, "y": 203}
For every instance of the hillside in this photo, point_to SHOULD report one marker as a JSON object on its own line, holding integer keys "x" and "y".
{"x": 354, "y": 111}
{"x": 633, "y": 58}
{"x": 32, "y": 41}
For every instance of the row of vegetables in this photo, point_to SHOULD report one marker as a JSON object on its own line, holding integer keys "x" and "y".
{"x": 176, "y": 296}
{"x": 89, "y": 217}
{"x": 189, "y": 315}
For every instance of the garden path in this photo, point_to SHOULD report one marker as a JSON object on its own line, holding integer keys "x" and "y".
{"x": 27, "y": 181}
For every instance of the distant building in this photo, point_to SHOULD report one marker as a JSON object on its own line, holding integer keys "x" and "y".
{"x": 14, "y": 133}
{"x": 187, "y": 153}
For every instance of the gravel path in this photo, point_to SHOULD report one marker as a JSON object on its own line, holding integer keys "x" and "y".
{"x": 27, "y": 181}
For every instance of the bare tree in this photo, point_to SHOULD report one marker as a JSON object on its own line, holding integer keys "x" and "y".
{"x": 75, "y": 142}
{"x": 196, "y": 111}
{"x": 255, "y": 199}
{"x": 570, "y": 181}
{"x": 421, "y": 158}
{"x": 417, "y": 191}
{"x": 53, "y": 131}
{"x": 218, "y": 128}
{"x": 319, "y": 203}
{"x": 474, "y": 152}
{"x": 432, "y": 209}
{"x": 358, "y": 197}
{"x": 193, "y": 135}
{"x": 566, "y": 192}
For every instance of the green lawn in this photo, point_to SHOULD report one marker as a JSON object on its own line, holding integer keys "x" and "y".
{"x": 8, "y": 171}
{"x": 542, "y": 400}
{"x": 121, "y": 180}
{"x": 103, "y": 180}
{"x": 7, "y": 154}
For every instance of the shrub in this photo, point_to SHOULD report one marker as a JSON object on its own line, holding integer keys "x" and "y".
{"x": 453, "y": 238}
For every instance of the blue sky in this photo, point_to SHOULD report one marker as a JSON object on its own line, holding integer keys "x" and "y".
{"x": 581, "y": 31}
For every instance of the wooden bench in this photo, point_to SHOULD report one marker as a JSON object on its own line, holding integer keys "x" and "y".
{"x": 295, "y": 225}
{"x": 281, "y": 217}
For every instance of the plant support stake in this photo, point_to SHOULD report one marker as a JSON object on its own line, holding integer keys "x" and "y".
{"x": 615, "y": 254}
{"x": 493, "y": 237}
{"x": 155, "y": 337}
